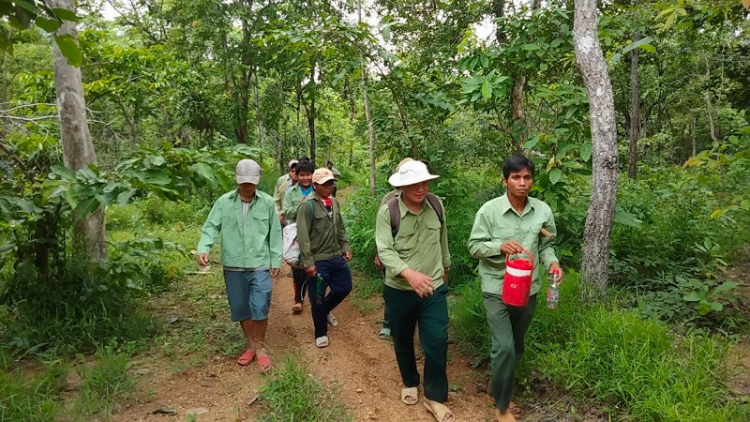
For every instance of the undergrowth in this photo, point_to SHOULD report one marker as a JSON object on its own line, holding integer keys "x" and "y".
{"x": 291, "y": 393}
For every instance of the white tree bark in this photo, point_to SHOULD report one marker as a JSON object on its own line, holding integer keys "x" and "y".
{"x": 368, "y": 116}
{"x": 78, "y": 149}
{"x": 593, "y": 68}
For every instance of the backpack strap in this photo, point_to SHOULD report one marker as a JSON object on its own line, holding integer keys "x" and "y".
{"x": 435, "y": 203}
{"x": 395, "y": 215}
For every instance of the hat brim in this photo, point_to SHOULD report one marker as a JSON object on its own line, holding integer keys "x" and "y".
{"x": 248, "y": 179}
{"x": 397, "y": 182}
{"x": 325, "y": 179}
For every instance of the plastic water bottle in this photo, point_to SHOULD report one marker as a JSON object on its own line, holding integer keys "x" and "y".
{"x": 320, "y": 289}
{"x": 553, "y": 293}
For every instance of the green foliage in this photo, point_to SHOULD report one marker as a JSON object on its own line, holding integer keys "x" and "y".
{"x": 30, "y": 397}
{"x": 615, "y": 357}
{"x": 291, "y": 393}
{"x": 104, "y": 384}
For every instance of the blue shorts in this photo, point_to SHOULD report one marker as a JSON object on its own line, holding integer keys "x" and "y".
{"x": 249, "y": 294}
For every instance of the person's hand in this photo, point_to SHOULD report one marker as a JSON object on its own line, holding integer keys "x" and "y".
{"x": 378, "y": 263}
{"x": 202, "y": 259}
{"x": 274, "y": 272}
{"x": 311, "y": 270}
{"x": 511, "y": 247}
{"x": 282, "y": 220}
{"x": 347, "y": 256}
{"x": 446, "y": 270}
{"x": 421, "y": 283}
{"x": 555, "y": 268}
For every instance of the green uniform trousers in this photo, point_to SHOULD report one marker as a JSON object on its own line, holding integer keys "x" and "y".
{"x": 405, "y": 309}
{"x": 508, "y": 325}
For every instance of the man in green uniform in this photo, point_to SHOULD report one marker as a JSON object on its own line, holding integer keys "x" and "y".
{"x": 292, "y": 198}
{"x": 284, "y": 179}
{"x": 324, "y": 251}
{"x": 250, "y": 253}
{"x": 506, "y": 226}
{"x": 415, "y": 254}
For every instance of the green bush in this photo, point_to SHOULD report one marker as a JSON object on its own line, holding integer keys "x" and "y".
{"x": 616, "y": 357}
{"x": 291, "y": 393}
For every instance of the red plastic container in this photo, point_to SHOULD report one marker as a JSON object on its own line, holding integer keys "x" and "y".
{"x": 517, "y": 281}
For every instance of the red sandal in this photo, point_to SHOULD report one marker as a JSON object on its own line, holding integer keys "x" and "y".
{"x": 246, "y": 358}
{"x": 264, "y": 362}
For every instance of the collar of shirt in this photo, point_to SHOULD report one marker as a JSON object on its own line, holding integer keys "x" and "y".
{"x": 305, "y": 191}
{"x": 505, "y": 206}
{"x": 405, "y": 209}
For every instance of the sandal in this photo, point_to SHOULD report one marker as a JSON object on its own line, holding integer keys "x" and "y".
{"x": 410, "y": 395}
{"x": 264, "y": 362}
{"x": 297, "y": 308}
{"x": 438, "y": 410}
{"x": 384, "y": 333}
{"x": 321, "y": 342}
{"x": 332, "y": 321}
{"x": 246, "y": 358}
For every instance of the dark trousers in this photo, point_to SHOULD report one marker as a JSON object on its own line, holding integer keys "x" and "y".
{"x": 508, "y": 326}
{"x": 301, "y": 281}
{"x": 336, "y": 277}
{"x": 405, "y": 309}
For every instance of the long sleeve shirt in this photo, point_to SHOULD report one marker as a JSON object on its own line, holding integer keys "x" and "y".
{"x": 292, "y": 198}
{"x": 247, "y": 241}
{"x": 320, "y": 236}
{"x": 421, "y": 244}
{"x": 497, "y": 222}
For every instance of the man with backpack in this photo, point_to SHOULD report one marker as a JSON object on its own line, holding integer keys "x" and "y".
{"x": 324, "y": 253}
{"x": 250, "y": 254}
{"x": 412, "y": 244}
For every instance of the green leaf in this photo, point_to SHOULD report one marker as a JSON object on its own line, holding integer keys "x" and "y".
{"x": 85, "y": 207}
{"x": 205, "y": 171}
{"x": 745, "y": 204}
{"x": 124, "y": 197}
{"x": 486, "y": 90}
{"x": 585, "y": 151}
{"x": 638, "y": 44}
{"x": 69, "y": 49}
{"x": 627, "y": 219}
{"x": 65, "y": 14}
{"x": 70, "y": 197}
{"x": 386, "y": 33}
{"x": 156, "y": 160}
{"x": 531, "y": 143}
{"x": 725, "y": 287}
{"x": 485, "y": 61}
{"x": 531, "y": 47}
{"x": 692, "y": 297}
{"x": 49, "y": 25}
{"x": 555, "y": 175}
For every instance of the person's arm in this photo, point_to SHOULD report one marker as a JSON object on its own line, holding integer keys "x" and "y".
{"x": 305, "y": 218}
{"x": 386, "y": 244}
{"x": 444, "y": 240}
{"x": 275, "y": 238}
{"x": 343, "y": 240}
{"x": 209, "y": 233}
{"x": 290, "y": 210}
{"x": 546, "y": 246}
{"x": 480, "y": 241}
{"x": 278, "y": 199}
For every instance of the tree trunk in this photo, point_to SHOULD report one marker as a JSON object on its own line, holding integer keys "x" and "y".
{"x": 601, "y": 211}
{"x": 78, "y": 149}
{"x": 692, "y": 136}
{"x": 635, "y": 108}
{"x": 258, "y": 112}
{"x": 371, "y": 129}
{"x": 311, "y": 115}
{"x": 711, "y": 128}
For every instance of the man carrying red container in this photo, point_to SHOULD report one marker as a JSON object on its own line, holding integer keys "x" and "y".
{"x": 509, "y": 225}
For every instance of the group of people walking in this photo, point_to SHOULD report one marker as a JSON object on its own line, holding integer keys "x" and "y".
{"x": 412, "y": 251}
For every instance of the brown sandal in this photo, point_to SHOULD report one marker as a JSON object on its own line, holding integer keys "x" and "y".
{"x": 297, "y": 308}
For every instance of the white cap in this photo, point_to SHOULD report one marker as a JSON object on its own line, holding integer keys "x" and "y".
{"x": 248, "y": 171}
{"x": 322, "y": 175}
{"x": 291, "y": 163}
{"x": 411, "y": 173}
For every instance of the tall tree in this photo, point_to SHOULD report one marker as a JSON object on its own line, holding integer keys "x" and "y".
{"x": 635, "y": 106}
{"x": 601, "y": 211}
{"x": 78, "y": 149}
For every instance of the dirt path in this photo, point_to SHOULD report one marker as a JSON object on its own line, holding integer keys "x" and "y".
{"x": 360, "y": 365}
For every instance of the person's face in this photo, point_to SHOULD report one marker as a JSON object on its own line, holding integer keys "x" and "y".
{"x": 519, "y": 183}
{"x": 291, "y": 172}
{"x": 415, "y": 193}
{"x": 329, "y": 165}
{"x": 324, "y": 190}
{"x": 305, "y": 179}
{"x": 247, "y": 190}
{"x": 293, "y": 175}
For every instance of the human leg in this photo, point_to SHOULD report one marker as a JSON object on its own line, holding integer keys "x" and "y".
{"x": 299, "y": 278}
{"x": 433, "y": 337}
{"x": 260, "y": 303}
{"x": 315, "y": 290}
{"x": 238, "y": 295}
{"x": 403, "y": 310}
{"x": 503, "y": 355}
{"x": 339, "y": 282}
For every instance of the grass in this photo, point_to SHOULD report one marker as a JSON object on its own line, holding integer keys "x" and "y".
{"x": 615, "y": 358}
{"x": 30, "y": 397}
{"x": 291, "y": 393}
{"x": 103, "y": 385}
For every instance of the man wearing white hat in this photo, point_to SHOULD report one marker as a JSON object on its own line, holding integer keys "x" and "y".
{"x": 412, "y": 244}
{"x": 324, "y": 251}
{"x": 251, "y": 251}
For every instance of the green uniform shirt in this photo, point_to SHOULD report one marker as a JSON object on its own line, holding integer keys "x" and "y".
{"x": 497, "y": 222}
{"x": 319, "y": 235}
{"x": 292, "y": 198}
{"x": 254, "y": 244}
{"x": 282, "y": 180}
{"x": 421, "y": 244}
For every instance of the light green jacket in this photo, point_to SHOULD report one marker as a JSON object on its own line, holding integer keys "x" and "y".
{"x": 254, "y": 245}
{"x": 421, "y": 244}
{"x": 292, "y": 198}
{"x": 497, "y": 222}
